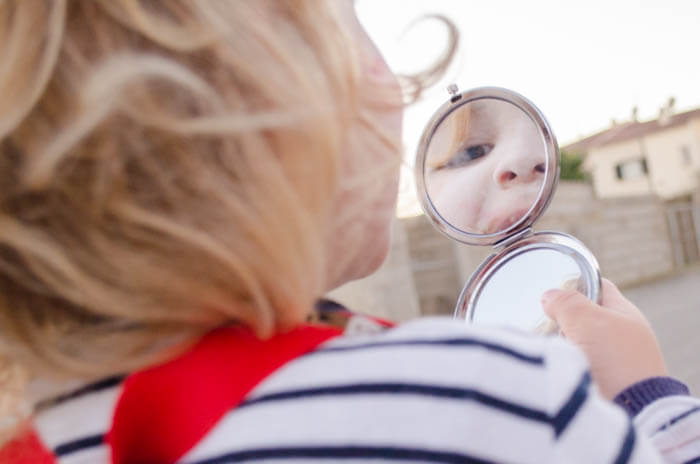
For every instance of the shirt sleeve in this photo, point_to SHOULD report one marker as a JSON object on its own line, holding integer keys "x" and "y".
{"x": 673, "y": 425}
{"x": 641, "y": 394}
{"x": 588, "y": 428}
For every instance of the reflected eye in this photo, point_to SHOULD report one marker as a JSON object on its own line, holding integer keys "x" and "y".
{"x": 468, "y": 154}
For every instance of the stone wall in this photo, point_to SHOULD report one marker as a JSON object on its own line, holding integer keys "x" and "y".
{"x": 390, "y": 292}
{"x": 435, "y": 266}
{"x": 425, "y": 271}
{"x": 628, "y": 236}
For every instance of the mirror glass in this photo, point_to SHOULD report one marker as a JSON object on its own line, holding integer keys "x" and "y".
{"x": 485, "y": 166}
{"x": 512, "y": 295}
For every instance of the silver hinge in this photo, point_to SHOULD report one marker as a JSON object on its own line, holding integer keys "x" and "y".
{"x": 512, "y": 238}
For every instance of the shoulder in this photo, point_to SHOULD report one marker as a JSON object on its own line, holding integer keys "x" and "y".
{"x": 422, "y": 387}
{"x": 448, "y": 353}
{"x": 490, "y": 359}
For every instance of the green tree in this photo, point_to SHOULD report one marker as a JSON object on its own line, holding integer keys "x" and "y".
{"x": 571, "y": 167}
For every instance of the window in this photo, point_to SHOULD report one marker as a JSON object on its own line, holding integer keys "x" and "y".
{"x": 686, "y": 157}
{"x": 632, "y": 169}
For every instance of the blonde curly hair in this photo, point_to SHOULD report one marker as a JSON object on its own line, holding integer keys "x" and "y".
{"x": 167, "y": 167}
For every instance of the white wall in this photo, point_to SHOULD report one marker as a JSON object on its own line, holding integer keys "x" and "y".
{"x": 668, "y": 176}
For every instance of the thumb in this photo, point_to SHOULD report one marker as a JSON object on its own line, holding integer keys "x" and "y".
{"x": 564, "y": 306}
{"x": 612, "y": 298}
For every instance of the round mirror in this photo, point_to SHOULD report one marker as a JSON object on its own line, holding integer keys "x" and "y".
{"x": 487, "y": 166}
{"x": 507, "y": 288}
{"x": 512, "y": 296}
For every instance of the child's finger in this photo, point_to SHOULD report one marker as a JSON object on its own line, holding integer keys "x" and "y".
{"x": 613, "y": 299}
{"x": 567, "y": 306}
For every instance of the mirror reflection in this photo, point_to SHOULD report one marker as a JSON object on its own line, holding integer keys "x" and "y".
{"x": 485, "y": 166}
{"x": 512, "y": 296}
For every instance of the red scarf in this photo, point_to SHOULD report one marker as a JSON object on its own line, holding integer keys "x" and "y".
{"x": 164, "y": 411}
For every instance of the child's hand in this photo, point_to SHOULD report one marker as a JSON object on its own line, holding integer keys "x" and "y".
{"x": 615, "y": 336}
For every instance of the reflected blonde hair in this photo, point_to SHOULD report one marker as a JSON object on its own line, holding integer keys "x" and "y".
{"x": 450, "y": 136}
{"x": 167, "y": 167}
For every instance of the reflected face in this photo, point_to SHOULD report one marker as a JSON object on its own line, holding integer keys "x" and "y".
{"x": 485, "y": 166}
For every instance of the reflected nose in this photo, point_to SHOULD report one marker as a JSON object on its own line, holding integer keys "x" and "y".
{"x": 518, "y": 171}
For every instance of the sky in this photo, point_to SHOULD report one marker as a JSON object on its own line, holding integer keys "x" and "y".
{"x": 582, "y": 63}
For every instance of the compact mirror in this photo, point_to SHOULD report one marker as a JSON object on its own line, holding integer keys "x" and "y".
{"x": 486, "y": 169}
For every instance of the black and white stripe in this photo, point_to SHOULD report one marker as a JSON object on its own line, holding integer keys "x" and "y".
{"x": 79, "y": 444}
{"x": 461, "y": 342}
{"x": 73, "y": 424}
{"x": 451, "y": 394}
{"x": 345, "y": 454}
{"x": 685, "y": 415}
{"x": 430, "y": 391}
{"x": 673, "y": 423}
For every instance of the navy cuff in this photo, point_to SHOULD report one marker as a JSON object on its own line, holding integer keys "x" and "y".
{"x": 635, "y": 397}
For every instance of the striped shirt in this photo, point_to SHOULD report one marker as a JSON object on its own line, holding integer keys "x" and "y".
{"x": 428, "y": 391}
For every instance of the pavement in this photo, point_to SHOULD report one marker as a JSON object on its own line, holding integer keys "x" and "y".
{"x": 672, "y": 305}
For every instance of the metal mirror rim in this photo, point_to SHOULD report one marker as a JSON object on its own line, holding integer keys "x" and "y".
{"x": 551, "y": 160}
{"x": 557, "y": 241}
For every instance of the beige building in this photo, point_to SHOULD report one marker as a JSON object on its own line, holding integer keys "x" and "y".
{"x": 659, "y": 157}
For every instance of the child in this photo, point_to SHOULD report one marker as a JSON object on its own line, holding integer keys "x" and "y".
{"x": 181, "y": 181}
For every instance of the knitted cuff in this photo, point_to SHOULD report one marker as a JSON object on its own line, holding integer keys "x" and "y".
{"x": 635, "y": 397}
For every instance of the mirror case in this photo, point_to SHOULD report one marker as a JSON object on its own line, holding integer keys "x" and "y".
{"x": 518, "y": 240}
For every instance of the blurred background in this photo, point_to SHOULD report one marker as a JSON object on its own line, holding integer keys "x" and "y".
{"x": 620, "y": 85}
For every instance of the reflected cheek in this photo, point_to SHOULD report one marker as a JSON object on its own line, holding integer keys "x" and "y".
{"x": 458, "y": 197}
